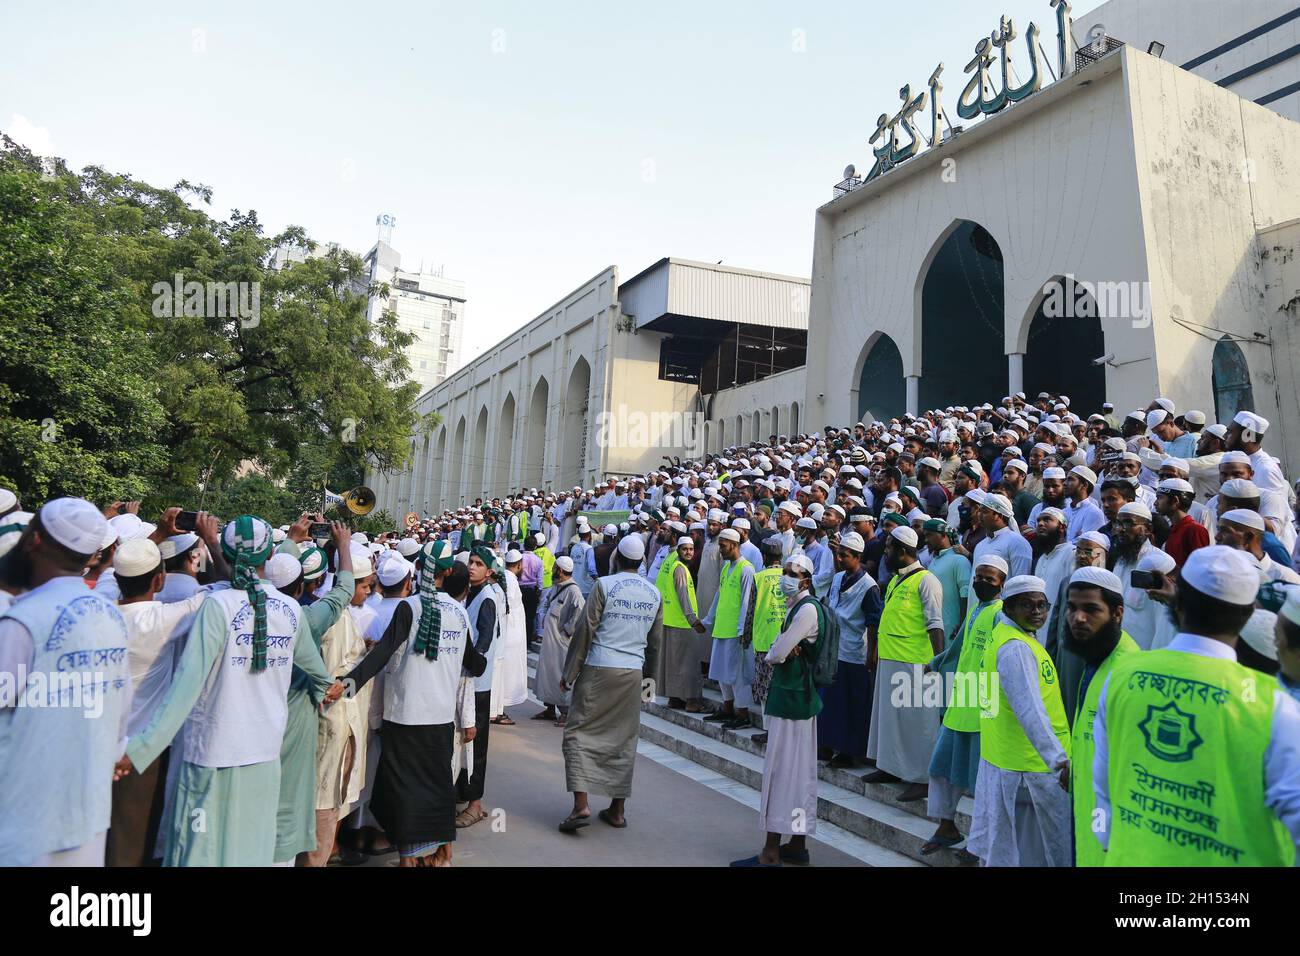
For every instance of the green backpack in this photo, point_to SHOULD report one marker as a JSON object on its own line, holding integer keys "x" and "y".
{"x": 824, "y": 658}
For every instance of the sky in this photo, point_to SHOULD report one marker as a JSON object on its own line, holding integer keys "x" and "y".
{"x": 524, "y": 147}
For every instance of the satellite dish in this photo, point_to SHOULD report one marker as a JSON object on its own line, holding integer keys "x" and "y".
{"x": 850, "y": 171}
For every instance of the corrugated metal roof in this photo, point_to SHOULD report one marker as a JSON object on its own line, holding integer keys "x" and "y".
{"x": 725, "y": 294}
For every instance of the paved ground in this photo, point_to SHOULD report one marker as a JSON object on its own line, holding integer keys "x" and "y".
{"x": 672, "y": 820}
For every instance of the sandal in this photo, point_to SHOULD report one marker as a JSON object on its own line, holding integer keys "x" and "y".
{"x": 609, "y": 818}
{"x": 936, "y": 843}
{"x": 467, "y": 818}
{"x": 572, "y": 823}
{"x": 544, "y": 715}
{"x": 504, "y": 721}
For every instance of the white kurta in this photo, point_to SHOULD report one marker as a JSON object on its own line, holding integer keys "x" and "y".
{"x": 1022, "y": 818}
{"x": 789, "y": 799}
{"x": 510, "y": 679}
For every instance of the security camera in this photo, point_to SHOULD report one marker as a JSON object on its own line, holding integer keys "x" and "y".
{"x": 1105, "y": 359}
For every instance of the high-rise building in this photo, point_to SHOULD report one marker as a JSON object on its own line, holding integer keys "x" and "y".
{"x": 427, "y": 304}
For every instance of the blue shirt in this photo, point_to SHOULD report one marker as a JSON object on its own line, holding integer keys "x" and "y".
{"x": 954, "y": 573}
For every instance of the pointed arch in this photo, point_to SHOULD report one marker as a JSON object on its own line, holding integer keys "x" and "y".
{"x": 503, "y": 460}
{"x": 573, "y": 456}
{"x": 455, "y": 469}
{"x": 535, "y": 435}
{"x": 478, "y": 456}
{"x": 437, "y": 471}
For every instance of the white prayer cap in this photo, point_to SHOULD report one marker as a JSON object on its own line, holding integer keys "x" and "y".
{"x": 1235, "y": 457}
{"x": 7, "y": 500}
{"x": 277, "y": 535}
{"x": 800, "y": 561}
{"x": 1086, "y": 473}
{"x": 852, "y": 541}
{"x": 1194, "y": 417}
{"x": 998, "y": 504}
{"x": 929, "y": 462}
{"x": 1256, "y": 423}
{"x": 11, "y": 529}
{"x": 1096, "y": 537}
{"x": 905, "y": 534}
{"x": 698, "y": 526}
{"x": 1245, "y": 518}
{"x": 1175, "y": 485}
{"x": 717, "y": 514}
{"x": 360, "y": 537}
{"x": 1157, "y": 560}
{"x": 1156, "y": 416}
{"x": 1166, "y": 403}
{"x": 1054, "y": 472}
{"x": 1239, "y": 488}
{"x": 539, "y": 539}
{"x": 633, "y": 548}
{"x": 514, "y": 556}
{"x": 1218, "y": 431}
{"x": 976, "y": 496}
{"x": 565, "y": 563}
{"x": 609, "y": 530}
{"x": 792, "y": 507}
{"x": 1291, "y": 609}
{"x": 994, "y": 561}
{"x": 137, "y": 556}
{"x": 1223, "y": 573}
{"x": 1137, "y": 509}
{"x": 1137, "y": 416}
{"x": 74, "y": 523}
{"x": 463, "y": 558}
{"x": 741, "y": 524}
{"x": 1178, "y": 464}
{"x": 1114, "y": 443}
{"x": 1098, "y": 578}
{"x": 1019, "y": 464}
{"x": 177, "y": 544}
{"x": 127, "y": 526}
{"x": 807, "y": 522}
{"x": 408, "y": 547}
{"x": 282, "y": 569}
{"x": 1258, "y": 633}
{"x": 727, "y": 534}
{"x": 313, "y": 564}
{"x": 583, "y": 521}
{"x": 947, "y": 436}
{"x": 393, "y": 569}
{"x": 1023, "y": 584}
{"x": 362, "y": 565}
{"x": 1056, "y": 513}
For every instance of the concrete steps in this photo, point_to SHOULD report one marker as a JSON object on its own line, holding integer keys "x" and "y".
{"x": 867, "y": 811}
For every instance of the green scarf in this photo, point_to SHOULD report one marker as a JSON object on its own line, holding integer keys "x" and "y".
{"x": 239, "y": 545}
{"x": 434, "y": 557}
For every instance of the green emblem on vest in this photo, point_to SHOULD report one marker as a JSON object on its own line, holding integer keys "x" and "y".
{"x": 1170, "y": 733}
{"x": 1049, "y": 672}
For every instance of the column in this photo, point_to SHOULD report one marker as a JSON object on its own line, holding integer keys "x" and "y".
{"x": 1015, "y": 372}
{"x": 913, "y": 394}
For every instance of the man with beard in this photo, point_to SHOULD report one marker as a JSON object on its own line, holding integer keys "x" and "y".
{"x": 1090, "y": 551}
{"x": 1053, "y": 555}
{"x": 1022, "y": 816}
{"x": 707, "y": 576}
{"x": 967, "y": 480}
{"x": 1095, "y": 634}
{"x": 1130, "y": 543}
{"x": 1014, "y": 474}
{"x": 955, "y": 761}
{"x": 1082, "y": 511}
{"x": 1053, "y": 493}
{"x": 1003, "y": 540}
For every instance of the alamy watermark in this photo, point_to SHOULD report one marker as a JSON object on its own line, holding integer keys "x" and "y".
{"x": 1073, "y": 298}
{"x": 208, "y": 300}
{"x": 627, "y": 428}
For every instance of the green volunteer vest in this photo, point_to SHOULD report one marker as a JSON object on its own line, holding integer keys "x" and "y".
{"x": 674, "y": 616}
{"x": 903, "y": 636}
{"x": 548, "y": 564}
{"x": 1087, "y": 851}
{"x": 791, "y": 693}
{"x": 1186, "y": 736}
{"x": 769, "y": 608}
{"x": 523, "y": 524}
{"x": 727, "y": 621}
{"x": 1002, "y": 740}
{"x": 963, "y": 711}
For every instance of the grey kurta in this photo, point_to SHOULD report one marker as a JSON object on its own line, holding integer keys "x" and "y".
{"x": 706, "y": 588}
{"x": 564, "y": 604}
{"x": 678, "y": 674}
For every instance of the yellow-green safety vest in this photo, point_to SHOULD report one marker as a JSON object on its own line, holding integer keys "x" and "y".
{"x": 1003, "y": 742}
{"x": 1087, "y": 851}
{"x": 1186, "y": 737}
{"x": 902, "y": 633}
{"x": 674, "y": 616}
{"x": 548, "y": 565}
{"x": 726, "y": 622}
{"x": 769, "y": 608}
{"x": 963, "y": 712}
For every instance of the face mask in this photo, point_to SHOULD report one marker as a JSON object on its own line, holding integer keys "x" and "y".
{"x": 789, "y": 586}
{"x": 984, "y": 591}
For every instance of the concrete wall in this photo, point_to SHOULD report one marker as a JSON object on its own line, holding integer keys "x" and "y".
{"x": 778, "y": 401}
{"x": 1053, "y": 180}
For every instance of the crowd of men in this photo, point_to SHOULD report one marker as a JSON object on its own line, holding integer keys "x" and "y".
{"x": 1087, "y": 625}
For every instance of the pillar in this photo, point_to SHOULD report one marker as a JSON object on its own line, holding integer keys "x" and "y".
{"x": 1015, "y": 372}
{"x": 913, "y": 394}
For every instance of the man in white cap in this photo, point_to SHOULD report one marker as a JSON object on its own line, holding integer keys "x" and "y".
{"x": 231, "y": 691}
{"x": 954, "y": 764}
{"x": 155, "y": 633}
{"x": 510, "y": 680}
{"x": 1131, "y": 543}
{"x": 561, "y": 609}
{"x": 1095, "y": 619}
{"x": 679, "y": 678}
{"x": 1083, "y": 512}
{"x": 1022, "y": 814}
{"x": 584, "y": 565}
{"x": 60, "y": 739}
{"x": 730, "y": 664}
{"x": 1246, "y": 434}
{"x": 1287, "y": 644}
{"x": 1243, "y": 529}
{"x": 614, "y": 649}
{"x": 1189, "y": 770}
{"x": 1002, "y": 537}
{"x": 904, "y": 718}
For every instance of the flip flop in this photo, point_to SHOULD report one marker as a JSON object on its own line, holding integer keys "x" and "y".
{"x": 543, "y": 715}
{"x": 571, "y": 823}
{"x": 752, "y": 861}
{"x": 609, "y": 818}
{"x": 966, "y": 856}
{"x": 469, "y": 818}
{"x": 937, "y": 843}
{"x": 504, "y": 721}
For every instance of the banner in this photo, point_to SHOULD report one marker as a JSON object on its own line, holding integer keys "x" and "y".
{"x": 598, "y": 519}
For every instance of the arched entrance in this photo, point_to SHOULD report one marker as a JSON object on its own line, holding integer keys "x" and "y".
{"x": 962, "y": 321}
{"x": 455, "y": 487}
{"x": 1065, "y": 335}
{"x": 573, "y": 460}
{"x": 882, "y": 391}
{"x": 1230, "y": 377}
{"x": 503, "y": 461}
{"x": 535, "y": 435}
{"x": 478, "y": 457}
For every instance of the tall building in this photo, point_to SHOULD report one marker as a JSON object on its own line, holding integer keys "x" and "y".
{"x": 426, "y": 303}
